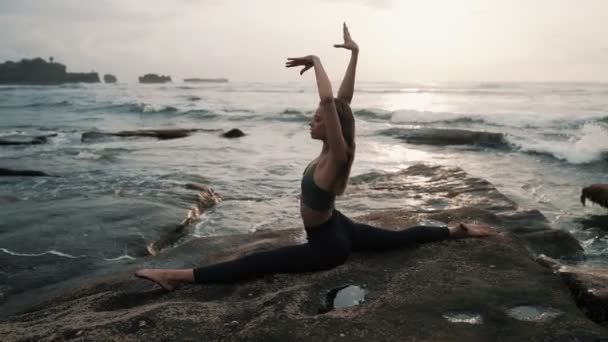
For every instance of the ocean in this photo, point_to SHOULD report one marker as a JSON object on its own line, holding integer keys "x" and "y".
{"x": 112, "y": 196}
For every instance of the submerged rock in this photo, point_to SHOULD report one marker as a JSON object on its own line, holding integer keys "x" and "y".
{"x": 161, "y": 134}
{"x": 206, "y": 80}
{"x": 27, "y": 173}
{"x": 596, "y": 193}
{"x": 205, "y": 199}
{"x": 433, "y": 136}
{"x": 589, "y": 286}
{"x": 233, "y": 133}
{"x": 39, "y": 71}
{"x": 154, "y": 78}
{"x": 20, "y": 139}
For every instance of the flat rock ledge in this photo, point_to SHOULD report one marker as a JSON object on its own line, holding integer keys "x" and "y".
{"x": 455, "y": 290}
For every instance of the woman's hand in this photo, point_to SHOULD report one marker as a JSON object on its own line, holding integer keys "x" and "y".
{"x": 349, "y": 43}
{"x": 306, "y": 61}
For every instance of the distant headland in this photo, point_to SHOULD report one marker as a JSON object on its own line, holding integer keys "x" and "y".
{"x": 154, "y": 78}
{"x": 207, "y": 80}
{"x": 109, "y": 78}
{"x": 39, "y": 71}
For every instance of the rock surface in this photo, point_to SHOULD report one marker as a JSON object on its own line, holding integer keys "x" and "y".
{"x": 233, "y": 133}
{"x": 26, "y": 173}
{"x": 205, "y": 199}
{"x": 589, "y": 286}
{"x": 206, "y": 80}
{"x": 22, "y": 139}
{"x": 433, "y": 136}
{"x": 161, "y": 134}
{"x": 596, "y": 193}
{"x": 38, "y": 71}
{"x": 154, "y": 78}
{"x": 411, "y": 294}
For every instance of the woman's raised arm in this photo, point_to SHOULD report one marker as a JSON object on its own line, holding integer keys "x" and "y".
{"x": 347, "y": 88}
{"x": 329, "y": 114}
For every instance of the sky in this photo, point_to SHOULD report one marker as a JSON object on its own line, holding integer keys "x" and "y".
{"x": 249, "y": 40}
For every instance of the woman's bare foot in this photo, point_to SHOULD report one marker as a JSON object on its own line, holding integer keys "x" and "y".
{"x": 161, "y": 277}
{"x": 466, "y": 230}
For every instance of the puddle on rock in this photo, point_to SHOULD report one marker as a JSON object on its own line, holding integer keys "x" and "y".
{"x": 463, "y": 317}
{"x": 532, "y": 313}
{"x": 433, "y": 223}
{"x": 342, "y": 297}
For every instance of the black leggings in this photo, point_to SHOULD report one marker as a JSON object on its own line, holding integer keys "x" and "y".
{"x": 328, "y": 246}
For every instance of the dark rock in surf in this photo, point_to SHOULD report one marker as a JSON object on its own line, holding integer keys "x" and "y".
{"x": 7, "y": 199}
{"x": 205, "y": 199}
{"x": 596, "y": 193}
{"x": 161, "y": 134}
{"x": 25, "y": 173}
{"x": 109, "y": 78}
{"x": 206, "y": 80}
{"x": 19, "y": 139}
{"x": 233, "y": 133}
{"x": 154, "y": 78}
{"x": 442, "y": 137}
{"x": 589, "y": 286}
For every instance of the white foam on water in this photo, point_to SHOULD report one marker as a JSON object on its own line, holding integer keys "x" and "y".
{"x": 122, "y": 257}
{"x": 590, "y": 144}
{"x": 53, "y": 252}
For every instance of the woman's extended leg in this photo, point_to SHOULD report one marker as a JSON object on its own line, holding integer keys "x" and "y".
{"x": 366, "y": 237}
{"x": 319, "y": 255}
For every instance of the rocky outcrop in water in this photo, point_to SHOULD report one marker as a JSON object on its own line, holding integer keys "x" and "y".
{"x": 206, "y": 80}
{"x": 160, "y": 134}
{"x": 26, "y": 173}
{"x": 589, "y": 286}
{"x": 109, "y": 78}
{"x": 23, "y": 139}
{"x": 596, "y": 193}
{"x": 154, "y": 78}
{"x": 205, "y": 199}
{"x": 233, "y": 133}
{"x": 442, "y": 137}
{"x": 38, "y": 71}
{"x": 455, "y": 290}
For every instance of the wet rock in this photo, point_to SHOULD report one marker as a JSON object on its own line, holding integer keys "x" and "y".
{"x": 233, "y": 133}
{"x": 6, "y": 199}
{"x": 161, "y": 134}
{"x": 589, "y": 286}
{"x": 408, "y": 291}
{"x": 596, "y": 193}
{"x": 534, "y": 313}
{"x": 20, "y": 139}
{"x": 442, "y": 137}
{"x": 344, "y": 296}
{"x": 26, "y": 173}
{"x": 553, "y": 243}
{"x": 205, "y": 199}
{"x": 463, "y": 317}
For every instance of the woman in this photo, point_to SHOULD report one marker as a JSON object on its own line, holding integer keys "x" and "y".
{"x": 331, "y": 235}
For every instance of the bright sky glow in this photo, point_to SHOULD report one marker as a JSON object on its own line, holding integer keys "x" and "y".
{"x": 405, "y": 40}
